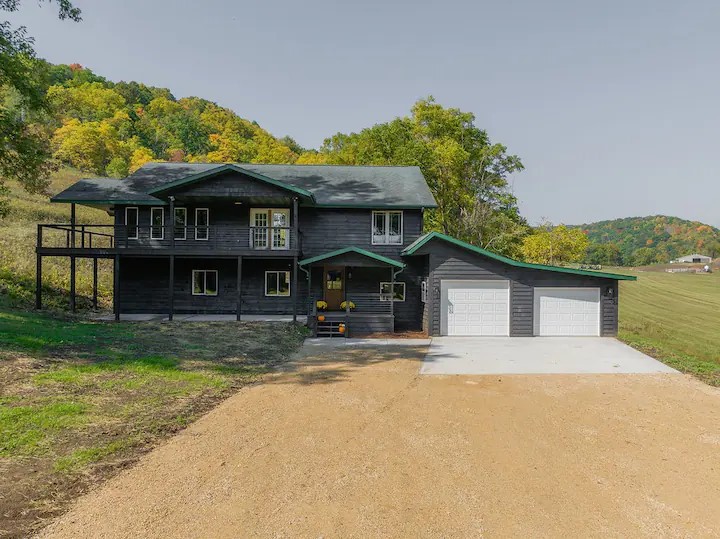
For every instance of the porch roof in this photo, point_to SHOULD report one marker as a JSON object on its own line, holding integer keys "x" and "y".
{"x": 352, "y": 250}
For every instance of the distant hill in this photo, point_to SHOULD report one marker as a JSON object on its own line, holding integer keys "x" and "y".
{"x": 638, "y": 241}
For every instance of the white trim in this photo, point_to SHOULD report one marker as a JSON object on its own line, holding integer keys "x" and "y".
{"x": 536, "y": 305}
{"x": 162, "y": 226}
{"x": 386, "y": 213}
{"x": 446, "y": 284}
{"x": 269, "y": 239}
{"x": 204, "y": 272}
{"x": 206, "y": 227}
{"x": 277, "y": 284}
{"x": 137, "y": 222}
{"x": 393, "y": 291}
{"x": 184, "y": 227}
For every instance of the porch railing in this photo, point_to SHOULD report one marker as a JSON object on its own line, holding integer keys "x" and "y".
{"x": 213, "y": 237}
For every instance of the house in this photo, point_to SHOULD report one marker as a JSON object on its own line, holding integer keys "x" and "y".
{"x": 693, "y": 259}
{"x": 249, "y": 239}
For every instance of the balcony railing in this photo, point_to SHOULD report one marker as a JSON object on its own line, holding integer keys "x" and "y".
{"x": 212, "y": 238}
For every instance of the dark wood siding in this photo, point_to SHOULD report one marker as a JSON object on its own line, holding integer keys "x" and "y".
{"x": 451, "y": 262}
{"x": 144, "y": 286}
{"x": 232, "y": 185}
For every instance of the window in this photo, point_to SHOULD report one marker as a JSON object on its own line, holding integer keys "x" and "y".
{"x": 202, "y": 220}
{"x": 270, "y": 228}
{"x": 180, "y": 230}
{"x": 157, "y": 222}
{"x": 387, "y": 227}
{"x": 277, "y": 283}
{"x": 423, "y": 291}
{"x": 204, "y": 282}
{"x": 131, "y": 223}
{"x": 399, "y": 294}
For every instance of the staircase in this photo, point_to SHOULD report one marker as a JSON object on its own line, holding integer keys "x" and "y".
{"x": 330, "y": 328}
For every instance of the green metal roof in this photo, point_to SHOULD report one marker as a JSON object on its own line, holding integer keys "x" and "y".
{"x": 356, "y": 250}
{"x": 230, "y": 168}
{"x": 422, "y": 240}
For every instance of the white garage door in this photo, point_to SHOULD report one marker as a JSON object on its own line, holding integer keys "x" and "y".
{"x": 567, "y": 311}
{"x": 475, "y": 307}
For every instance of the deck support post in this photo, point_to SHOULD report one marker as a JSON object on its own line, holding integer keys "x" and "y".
{"x": 171, "y": 288}
{"x": 172, "y": 222}
{"x": 73, "y": 264}
{"x": 295, "y": 290}
{"x": 238, "y": 308}
{"x": 116, "y": 288}
{"x": 95, "y": 283}
{"x": 392, "y": 296}
{"x": 38, "y": 270}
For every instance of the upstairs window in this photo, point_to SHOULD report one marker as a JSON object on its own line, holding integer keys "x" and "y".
{"x": 202, "y": 220}
{"x": 131, "y": 223}
{"x": 387, "y": 227}
{"x": 180, "y": 230}
{"x": 157, "y": 222}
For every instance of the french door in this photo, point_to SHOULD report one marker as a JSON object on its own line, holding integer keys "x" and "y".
{"x": 269, "y": 228}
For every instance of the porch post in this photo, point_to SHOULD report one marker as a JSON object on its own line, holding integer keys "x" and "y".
{"x": 95, "y": 281}
{"x": 171, "y": 289}
{"x": 392, "y": 295}
{"x": 72, "y": 225}
{"x": 238, "y": 309}
{"x": 38, "y": 270}
{"x": 295, "y": 288}
{"x": 295, "y": 226}
{"x": 116, "y": 288}
{"x": 172, "y": 223}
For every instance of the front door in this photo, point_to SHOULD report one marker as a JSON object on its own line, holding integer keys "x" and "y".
{"x": 334, "y": 285}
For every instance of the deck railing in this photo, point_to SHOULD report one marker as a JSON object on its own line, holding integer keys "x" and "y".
{"x": 213, "y": 237}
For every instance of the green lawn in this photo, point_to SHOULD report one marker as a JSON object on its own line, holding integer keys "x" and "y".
{"x": 80, "y": 399}
{"x": 674, "y": 317}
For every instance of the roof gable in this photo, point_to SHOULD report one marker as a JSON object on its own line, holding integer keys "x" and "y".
{"x": 352, "y": 250}
{"x": 422, "y": 240}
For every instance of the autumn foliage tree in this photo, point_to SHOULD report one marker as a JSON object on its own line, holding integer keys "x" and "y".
{"x": 554, "y": 245}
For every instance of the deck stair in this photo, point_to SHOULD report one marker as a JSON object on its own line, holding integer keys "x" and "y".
{"x": 330, "y": 328}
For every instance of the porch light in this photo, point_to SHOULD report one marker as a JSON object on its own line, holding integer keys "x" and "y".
{"x": 349, "y": 273}
{"x": 237, "y": 202}
{"x": 609, "y": 291}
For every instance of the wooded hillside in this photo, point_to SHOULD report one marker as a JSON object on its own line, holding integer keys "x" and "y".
{"x": 638, "y": 241}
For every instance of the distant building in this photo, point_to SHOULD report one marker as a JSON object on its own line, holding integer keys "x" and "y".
{"x": 693, "y": 259}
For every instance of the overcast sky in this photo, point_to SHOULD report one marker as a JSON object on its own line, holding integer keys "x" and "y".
{"x": 612, "y": 106}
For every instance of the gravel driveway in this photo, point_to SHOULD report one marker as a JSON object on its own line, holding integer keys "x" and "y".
{"x": 353, "y": 442}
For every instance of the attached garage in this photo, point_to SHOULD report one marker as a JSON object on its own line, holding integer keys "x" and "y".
{"x": 567, "y": 311}
{"x": 476, "y": 307}
{"x": 473, "y": 291}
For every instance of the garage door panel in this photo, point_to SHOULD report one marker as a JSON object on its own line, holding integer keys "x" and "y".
{"x": 475, "y": 307}
{"x": 567, "y": 311}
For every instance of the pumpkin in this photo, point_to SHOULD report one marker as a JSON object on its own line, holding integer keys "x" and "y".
{"x": 341, "y": 328}
{"x": 321, "y": 318}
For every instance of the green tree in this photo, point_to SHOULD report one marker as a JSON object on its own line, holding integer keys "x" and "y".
{"x": 86, "y": 145}
{"x": 643, "y": 257}
{"x": 90, "y": 101}
{"x": 466, "y": 172}
{"x": 554, "y": 245}
{"x": 24, "y": 149}
{"x": 604, "y": 253}
{"x": 117, "y": 168}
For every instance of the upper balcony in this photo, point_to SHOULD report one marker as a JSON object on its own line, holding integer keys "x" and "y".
{"x": 105, "y": 240}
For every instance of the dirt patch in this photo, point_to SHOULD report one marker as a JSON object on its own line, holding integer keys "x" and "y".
{"x": 354, "y": 443}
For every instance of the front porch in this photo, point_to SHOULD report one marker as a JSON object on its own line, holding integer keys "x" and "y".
{"x": 351, "y": 292}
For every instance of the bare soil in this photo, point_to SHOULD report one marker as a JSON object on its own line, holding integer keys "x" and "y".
{"x": 354, "y": 443}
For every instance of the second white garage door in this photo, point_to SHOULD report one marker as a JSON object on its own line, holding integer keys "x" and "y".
{"x": 567, "y": 311}
{"x": 475, "y": 307}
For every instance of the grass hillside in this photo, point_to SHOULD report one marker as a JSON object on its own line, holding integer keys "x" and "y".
{"x": 654, "y": 239}
{"x": 18, "y": 232}
{"x": 675, "y": 317}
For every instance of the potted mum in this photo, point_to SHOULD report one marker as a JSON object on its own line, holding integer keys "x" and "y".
{"x": 344, "y": 305}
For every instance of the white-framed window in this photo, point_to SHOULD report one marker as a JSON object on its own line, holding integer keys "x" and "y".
{"x": 180, "y": 228}
{"x": 399, "y": 292}
{"x": 423, "y": 290}
{"x": 131, "y": 222}
{"x": 202, "y": 223}
{"x": 387, "y": 227}
{"x": 204, "y": 282}
{"x": 277, "y": 283}
{"x": 270, "y": 228}
{"x": 157, "y": 223}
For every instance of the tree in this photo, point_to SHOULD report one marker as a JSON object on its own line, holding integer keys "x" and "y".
{"x": 24, "y": 149}
{"x": 554, "y": 245}
{"x": 90, "y": 101}
{"x": 604, "y": 253}
{"x": 87, "y": 146}
{"x": 466, "y": 172}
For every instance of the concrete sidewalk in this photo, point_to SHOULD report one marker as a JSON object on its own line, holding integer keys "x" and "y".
{"x": 539, "y": 355}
